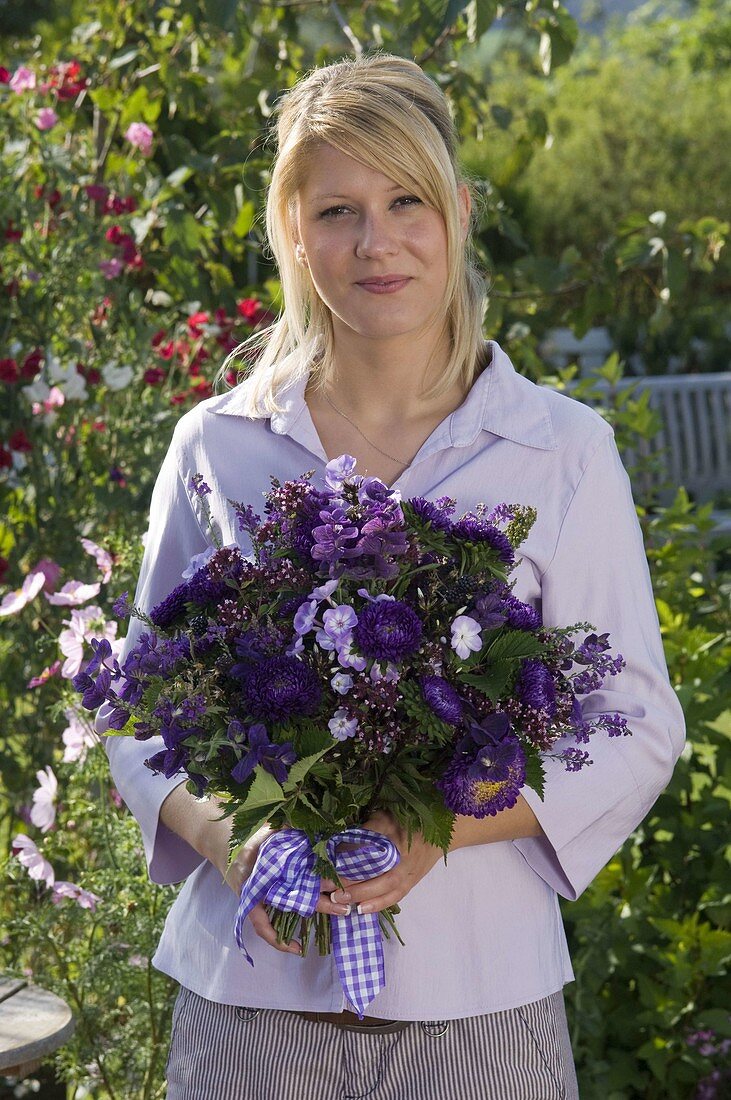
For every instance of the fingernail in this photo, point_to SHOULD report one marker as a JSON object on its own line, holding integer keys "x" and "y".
{"x": 364, "y": 907}
{"x": 344, "y": 910}
{"x": 341, "y": 896}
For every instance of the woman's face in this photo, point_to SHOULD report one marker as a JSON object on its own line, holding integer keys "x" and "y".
{"x": 376, "y": 253}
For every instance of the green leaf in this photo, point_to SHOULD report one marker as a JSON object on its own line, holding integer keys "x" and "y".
{"x": 300, "y": 768}
{"x": 264, "y": 791}
{"x": 494, "y": 681}
{"x": 514, "y": 644}
{"x": 244, "y": 219}
{"x": 535, "y": 773}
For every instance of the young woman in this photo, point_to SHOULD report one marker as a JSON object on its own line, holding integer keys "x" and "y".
{"x": 379, "y": 353}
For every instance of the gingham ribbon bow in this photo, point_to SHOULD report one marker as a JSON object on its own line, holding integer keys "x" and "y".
{"x": 284, "y": 877}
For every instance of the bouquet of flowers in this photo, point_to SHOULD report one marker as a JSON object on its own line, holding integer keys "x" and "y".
{"x": 369, "y": 654}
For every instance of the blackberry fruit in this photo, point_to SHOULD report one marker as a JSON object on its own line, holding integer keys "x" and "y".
{"x": 199, "y": 625}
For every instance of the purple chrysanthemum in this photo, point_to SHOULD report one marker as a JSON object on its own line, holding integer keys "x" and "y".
{"x": 442, "y": 698}
{"x": 388, "y": 630}
{"x": 172, "y": 607}
{"x": 485, "y": 782}
{"x": 521, "y": 615}
{"x": 429, "y": 512}
{"x": 536, "y": 687}
{"x": 279, "y": 687}
{"x": 475, "y": 529}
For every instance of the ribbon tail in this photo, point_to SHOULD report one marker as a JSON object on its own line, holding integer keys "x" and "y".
{"x": 252, "y": 892}
{"x": 358, "y": 951}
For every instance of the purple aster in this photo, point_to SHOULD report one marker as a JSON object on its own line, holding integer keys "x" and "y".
{"x": 165, "y": 613}
{"x": 474, "y": 529}
{"x": 536, "y": 687}
{"x": 442, "y": 698}
{"x": 388, "y": 630}
{"x": 280, "y": 687}
{"x": 485, "y": 782}
{"x": 429, "y": 512}
{"x": 521, "y": 615}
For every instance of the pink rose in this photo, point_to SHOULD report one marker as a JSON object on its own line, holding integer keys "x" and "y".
{"x": 46, "y": 118}
{"x": 140, "y": 136}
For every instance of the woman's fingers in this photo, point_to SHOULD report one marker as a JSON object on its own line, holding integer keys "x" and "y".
{"x": 263, "y": 927}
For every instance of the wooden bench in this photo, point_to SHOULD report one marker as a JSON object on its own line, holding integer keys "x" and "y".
{"x": 33, "y": 1023}
{"x": 692, "y": 447}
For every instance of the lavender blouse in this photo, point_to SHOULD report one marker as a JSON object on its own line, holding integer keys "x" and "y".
{"x": 484, "y": 932}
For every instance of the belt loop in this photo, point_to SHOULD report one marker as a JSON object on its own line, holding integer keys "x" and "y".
{"x": 246, "y": 1015}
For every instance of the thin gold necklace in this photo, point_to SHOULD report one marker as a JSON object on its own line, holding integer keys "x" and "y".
{"x": 375, "y": 445}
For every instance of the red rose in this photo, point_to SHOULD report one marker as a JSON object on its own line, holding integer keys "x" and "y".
{"x": 31, "y": 364}
{"x": 19, "y": 441}
{"x": 9, "y": 370}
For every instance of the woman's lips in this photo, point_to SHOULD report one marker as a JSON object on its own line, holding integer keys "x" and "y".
{"x": 385, "y": 288}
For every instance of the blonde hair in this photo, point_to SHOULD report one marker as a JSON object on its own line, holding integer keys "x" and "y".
{"x": 385, "y": 112}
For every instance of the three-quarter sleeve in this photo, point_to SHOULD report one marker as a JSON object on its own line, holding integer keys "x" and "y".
{"x": 174, "y": 536}
{"x": 599, "y": 574}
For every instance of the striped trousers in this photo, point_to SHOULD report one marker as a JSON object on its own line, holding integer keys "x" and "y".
{"x": 221, "y": 1052}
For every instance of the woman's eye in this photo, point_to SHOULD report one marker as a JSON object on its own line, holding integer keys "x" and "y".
{"x": 335, "y": 211}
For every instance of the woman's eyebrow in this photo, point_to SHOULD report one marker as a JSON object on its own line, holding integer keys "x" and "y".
{"x": 333, "y": 195}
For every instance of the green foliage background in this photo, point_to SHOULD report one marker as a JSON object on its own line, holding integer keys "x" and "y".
{"x": 564, "y": 244}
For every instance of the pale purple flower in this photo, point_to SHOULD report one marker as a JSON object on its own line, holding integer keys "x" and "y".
{"x": 78, "y": 737}
{"x": 342, "y": 727}
{"x": 46, "y": 118}
{"x": 466, "y": 636}
{"x": 304, "y": 618}
{"x": 341, "y": 682}
{"x": 26, "y": 852}
{"x": 338, "y": 469}
{"x": 111, "y": 268}
{"x": 140, "y": 136}
{"x": 102, "y": 557}
{"x": 74, "y": 593}
{"x": 324, "y": 591}
{"x": 338, "y": 622}
{"x": 197, "y": 562}
{"x": 391, "y": 675}
{"x": 16, "y": 600}
{"x": 324, "y": 641}
{"x": 84, "y": 898}
{"x": 22, "y": 80}
{"x": 348, "y": 659}
{"x": 43, "y": 811}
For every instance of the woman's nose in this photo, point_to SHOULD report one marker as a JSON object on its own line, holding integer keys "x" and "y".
{"x": 374, "y": 238}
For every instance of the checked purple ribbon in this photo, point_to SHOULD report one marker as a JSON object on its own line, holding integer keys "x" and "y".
{"x": 284, "y": 876}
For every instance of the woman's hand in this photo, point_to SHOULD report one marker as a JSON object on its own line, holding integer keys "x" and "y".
{"x": 236, "y": 874}
{"x": 387, "y": 889}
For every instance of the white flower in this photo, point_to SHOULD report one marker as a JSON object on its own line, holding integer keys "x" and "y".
{"x": 102, "y": 557}
{"x": 341, "y": 727}
{"x": 43, "y": 810}
{"x": 67, "y": 377}
{"x": 466, "y": 636}
{"x": 81, "y": 630}
{"x": 78, "y": 736}
{"x": 73, "y": 594}
{"x": 16, "y": 600}
{"x": 116, "y": 377}
{"x": 37, "y": 391}
{"x": 27, "y": 853}
{"x": 82, "y": 897}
